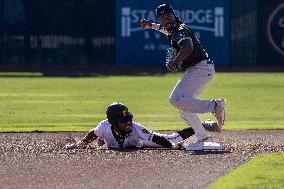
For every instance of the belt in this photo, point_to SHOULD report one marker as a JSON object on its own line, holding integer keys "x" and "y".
{"x": 203, "y": 62}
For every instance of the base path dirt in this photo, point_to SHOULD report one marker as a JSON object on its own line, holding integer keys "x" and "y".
{"x": 37, "y": 160}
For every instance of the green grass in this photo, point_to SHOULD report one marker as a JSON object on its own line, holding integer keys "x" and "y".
{"x": 264, "y": 171}
{"x": 255, "y": 101}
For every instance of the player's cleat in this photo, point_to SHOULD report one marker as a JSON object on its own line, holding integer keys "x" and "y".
{"x": 211, "y": 126}
{"x": 219, "y": 111}
{"x": 205, "y": 144}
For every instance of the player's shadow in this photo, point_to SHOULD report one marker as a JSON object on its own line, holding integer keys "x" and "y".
{"x": 168, "y": 149}
{"x": 141, "y": 149}
{"x": 138, "y": 149}
{"x": 205, "y": 152}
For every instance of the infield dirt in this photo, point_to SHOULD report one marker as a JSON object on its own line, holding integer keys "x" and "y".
{"x": 38, "y": 160}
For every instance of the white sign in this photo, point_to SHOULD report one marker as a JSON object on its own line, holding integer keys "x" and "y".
{"x": 198, "y": 20}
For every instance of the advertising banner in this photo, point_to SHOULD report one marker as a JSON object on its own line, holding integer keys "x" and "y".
{"x": 137, "y": 46}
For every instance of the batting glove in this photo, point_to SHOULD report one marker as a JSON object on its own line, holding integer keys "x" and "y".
{"x": 178, "y": 146}
{"x": 71, "y": 146}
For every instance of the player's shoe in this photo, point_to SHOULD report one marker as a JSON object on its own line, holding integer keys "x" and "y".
{"x": 219, "y": 111}
{"x": 211, "y": 126}
{"x": 205, "y": 144}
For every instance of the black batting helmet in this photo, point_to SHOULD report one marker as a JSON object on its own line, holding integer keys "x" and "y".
{"x": 118, "y": 113}
{"x": 164, "y": 8}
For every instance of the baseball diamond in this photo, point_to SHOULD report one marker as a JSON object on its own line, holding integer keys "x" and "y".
{"x": 141, "y": 94}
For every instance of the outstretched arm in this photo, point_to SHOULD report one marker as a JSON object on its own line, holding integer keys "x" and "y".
{"x": 146, "y": 24}
{"x": 90, "y": 137}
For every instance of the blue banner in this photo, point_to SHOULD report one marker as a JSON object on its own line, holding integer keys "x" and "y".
{"x": 137, "y": 46}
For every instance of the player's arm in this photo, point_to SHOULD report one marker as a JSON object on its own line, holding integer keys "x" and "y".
{"x": 185, "y": 51}
{"x": 90, "y": 137}
{"x": 146, "y": 24}
{"x": 162, "y": 141}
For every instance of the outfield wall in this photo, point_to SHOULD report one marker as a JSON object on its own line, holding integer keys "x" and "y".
{"x": 93, "y": 33}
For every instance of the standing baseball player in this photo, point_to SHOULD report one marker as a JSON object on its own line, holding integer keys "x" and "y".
{"x": 186, "y": 53}
{"x": 119, "y": 131}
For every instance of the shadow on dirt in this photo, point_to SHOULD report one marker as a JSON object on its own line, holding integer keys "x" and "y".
{"x": 209, "y": 152}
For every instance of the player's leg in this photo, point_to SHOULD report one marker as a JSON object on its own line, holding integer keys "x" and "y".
{"x": 185, "y": 133}
{"x": 191, "y": 85}
{"x": 157, "y": 140}
{"x": 192, "y": 120}
{"x": 183, "y": 98}
{"x": 153, "y": 139}
{"x": 204, "y": 140}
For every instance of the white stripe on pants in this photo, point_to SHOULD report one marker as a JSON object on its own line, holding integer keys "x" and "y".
{"x": 183, "y": 96}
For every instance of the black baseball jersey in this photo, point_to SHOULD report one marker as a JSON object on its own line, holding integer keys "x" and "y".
{"x": 180, "y": 33}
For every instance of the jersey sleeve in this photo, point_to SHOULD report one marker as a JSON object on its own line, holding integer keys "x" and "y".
{"x": 98, "y": 131}
{"x": 143, "y": 132}
{"x": 159, "y": 28}
{"x": 181, "y": 35}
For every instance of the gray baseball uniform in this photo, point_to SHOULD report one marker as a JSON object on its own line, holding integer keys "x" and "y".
{"x": 199, "y": 70}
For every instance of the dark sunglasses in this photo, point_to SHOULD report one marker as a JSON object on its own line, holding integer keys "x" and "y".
{"x": 126, "y": 121}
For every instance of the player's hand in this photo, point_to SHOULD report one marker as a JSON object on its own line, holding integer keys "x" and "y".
{"x": 178, "y": 146}
{"x": 71, "y": 146}
{"x": 171, "y": 66}
{"x": 145, "y": 24}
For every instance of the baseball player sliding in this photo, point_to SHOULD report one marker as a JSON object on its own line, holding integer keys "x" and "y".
{"x": 186, "y": 53}
{"x": 119, "y": 131}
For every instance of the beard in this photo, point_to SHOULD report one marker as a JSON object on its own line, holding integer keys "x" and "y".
{"x": 170, "y": 26}
{"x": 127, "y": 129}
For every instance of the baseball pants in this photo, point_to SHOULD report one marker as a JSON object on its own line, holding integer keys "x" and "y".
{"x": 183, "y": 96}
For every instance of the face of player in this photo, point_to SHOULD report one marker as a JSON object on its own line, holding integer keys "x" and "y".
{"x": 167, "y": 21}
{"x": 125, "y": 127}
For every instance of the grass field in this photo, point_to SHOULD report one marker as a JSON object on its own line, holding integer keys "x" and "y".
{"x": 30, "y": 102}
{"x": 35, "y": 103}
{"x": 264, "y": 171}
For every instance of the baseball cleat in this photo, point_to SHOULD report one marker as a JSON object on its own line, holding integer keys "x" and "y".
{"x": 211, "y": 126}
{"x": 219, "y": 111}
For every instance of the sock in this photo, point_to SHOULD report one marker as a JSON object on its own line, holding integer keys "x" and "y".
{"x": 186, "y": 133}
